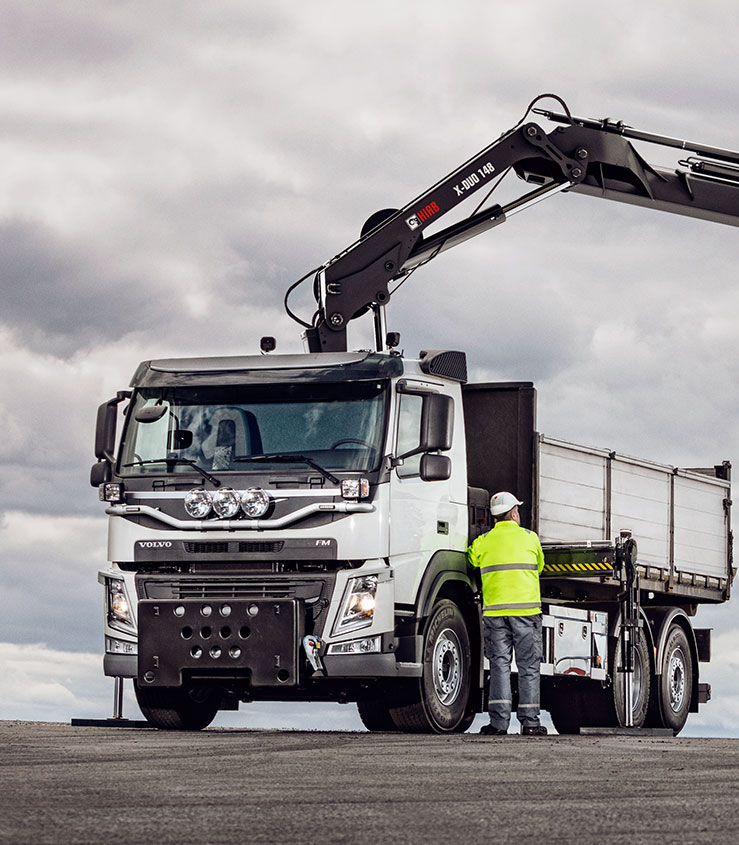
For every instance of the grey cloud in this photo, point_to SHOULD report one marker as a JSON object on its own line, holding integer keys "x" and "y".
{"x": 62, "y": 35}
{"x": 48, "y": 585}
{"x": 60, "y": 295}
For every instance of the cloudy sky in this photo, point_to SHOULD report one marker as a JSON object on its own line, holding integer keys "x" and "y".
{"x": 170, "y": 168}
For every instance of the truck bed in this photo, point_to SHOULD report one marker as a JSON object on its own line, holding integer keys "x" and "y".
{"x": 679, "y": 517}
{"x": 578, "y": 499}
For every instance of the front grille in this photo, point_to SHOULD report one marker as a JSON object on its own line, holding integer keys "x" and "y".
{"x": 234, "y": 589}
{"x": 313, "y": 590}
{"x": 247, "y": 546}
{"x": 230, "y": 587}
{"x": 262, "y": 547}
{"x": 206, "y": 548}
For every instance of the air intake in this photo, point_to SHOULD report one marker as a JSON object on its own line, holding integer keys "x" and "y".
{"x": 437, "y": 362}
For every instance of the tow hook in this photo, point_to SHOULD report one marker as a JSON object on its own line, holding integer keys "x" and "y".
{"x": 312, "y": 646}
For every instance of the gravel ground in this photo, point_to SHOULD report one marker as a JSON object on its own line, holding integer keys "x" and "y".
{"x": 84, "y": 784}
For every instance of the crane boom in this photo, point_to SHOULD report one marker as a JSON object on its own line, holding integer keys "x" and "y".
{"x": 593, "y": 157}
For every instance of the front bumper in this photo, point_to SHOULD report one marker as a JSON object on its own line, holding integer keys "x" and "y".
{"x": 254, "y": 639}
{"x": 120, "y": 665}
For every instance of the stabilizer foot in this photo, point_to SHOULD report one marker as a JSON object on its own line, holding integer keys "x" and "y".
{"x": 110, "y": 723}
{"x": 626, "y": 732}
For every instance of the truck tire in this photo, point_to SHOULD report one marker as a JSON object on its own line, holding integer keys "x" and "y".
{"x": 674, "y": 686}
{"x": 641, "y": 682}
{"x": 178, "y": 708}
{"x": 374, "y": 712}
{"x": 437, "y": 702}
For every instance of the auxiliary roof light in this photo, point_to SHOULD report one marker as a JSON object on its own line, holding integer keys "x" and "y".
{"x": 198, "y": 503}
{"x": 254, "y": 502}
{"x": 226, "y": 502}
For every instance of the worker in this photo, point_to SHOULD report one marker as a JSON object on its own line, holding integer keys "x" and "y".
{"x": 510, "y": 559}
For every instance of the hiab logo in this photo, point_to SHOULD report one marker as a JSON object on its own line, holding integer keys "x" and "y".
{"x": 423, "y": 215}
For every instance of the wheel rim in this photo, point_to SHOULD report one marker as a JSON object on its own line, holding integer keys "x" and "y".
{"x": 676, "y": 679}
{"x": 447, "y": 666}
{"x": 636, "y": 683}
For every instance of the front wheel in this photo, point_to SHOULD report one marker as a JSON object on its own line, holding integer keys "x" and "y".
{"x": 373, "y": 711}
{"x": 438, "y": 701}
{"x": 178, "y": 708}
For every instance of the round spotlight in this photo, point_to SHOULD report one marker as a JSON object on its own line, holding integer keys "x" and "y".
{"x": 226, "y": 502}
{"x": 198, "y": 503}
{"x": 255, "y": 502}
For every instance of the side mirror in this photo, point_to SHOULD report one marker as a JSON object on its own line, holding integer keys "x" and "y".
{"x": 437, "y": 423}
{"x": 435, "y": 468}
{"x": 100, "y": 473}
{"x": 105, "y": 429}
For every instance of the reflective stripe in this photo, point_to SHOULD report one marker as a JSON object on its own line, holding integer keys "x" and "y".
{"x": 499, "y": 567}
{"x": 527, "y": 605}
{"x": 501, "y": 701}
{"x": 523, "y": 706}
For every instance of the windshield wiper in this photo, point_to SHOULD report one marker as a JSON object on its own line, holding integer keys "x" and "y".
{"x": 292, "y": 459}
{"x": 187, "y": 461}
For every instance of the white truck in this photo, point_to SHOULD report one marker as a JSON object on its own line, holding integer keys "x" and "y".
{"x": 294, "y": 527}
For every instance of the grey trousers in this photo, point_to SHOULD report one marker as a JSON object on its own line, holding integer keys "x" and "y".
{"x": 503, "y": 634}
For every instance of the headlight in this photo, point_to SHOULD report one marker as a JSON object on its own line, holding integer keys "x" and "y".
{"x": 359, "y": 604}
{"x": 120, "y": 615}
{"x": 354, "y": 488}
{"x": 226, "y": 502}
{"x": 254, "y": 502}
{"x": 198, "y": 503}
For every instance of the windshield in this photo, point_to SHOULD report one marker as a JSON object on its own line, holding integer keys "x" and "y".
{"x": 338, "y": 426}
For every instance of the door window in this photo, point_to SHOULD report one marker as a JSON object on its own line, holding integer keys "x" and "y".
{"x": 409, "y": 432}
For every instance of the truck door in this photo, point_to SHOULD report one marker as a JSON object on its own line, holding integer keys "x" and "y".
{"x": 422, "y": 517}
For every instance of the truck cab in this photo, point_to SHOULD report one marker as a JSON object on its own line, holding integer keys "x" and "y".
{"x": 327, "y": 493}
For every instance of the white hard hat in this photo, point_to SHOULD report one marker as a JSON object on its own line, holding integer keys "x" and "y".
{"x": 502, "y": 503}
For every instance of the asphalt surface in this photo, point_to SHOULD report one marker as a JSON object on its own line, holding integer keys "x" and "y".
{"x": 80, "y": 784}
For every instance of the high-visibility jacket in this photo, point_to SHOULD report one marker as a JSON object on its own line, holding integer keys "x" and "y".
{"x": 510, "y": 560}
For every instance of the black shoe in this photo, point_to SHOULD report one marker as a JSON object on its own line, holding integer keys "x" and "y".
{"x": 534, "y": 730}
{"x": 489, "y": 730}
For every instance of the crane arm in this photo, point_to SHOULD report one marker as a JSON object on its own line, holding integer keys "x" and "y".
{"x": 584, "y": 156}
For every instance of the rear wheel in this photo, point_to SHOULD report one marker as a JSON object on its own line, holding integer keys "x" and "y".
{"x": 575, "y": 703}
{"x": 178, "y": 708}
{"x": 438, "y": 701}
{"x": 674, "y": 686}
{"x": 641, "y": 682}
